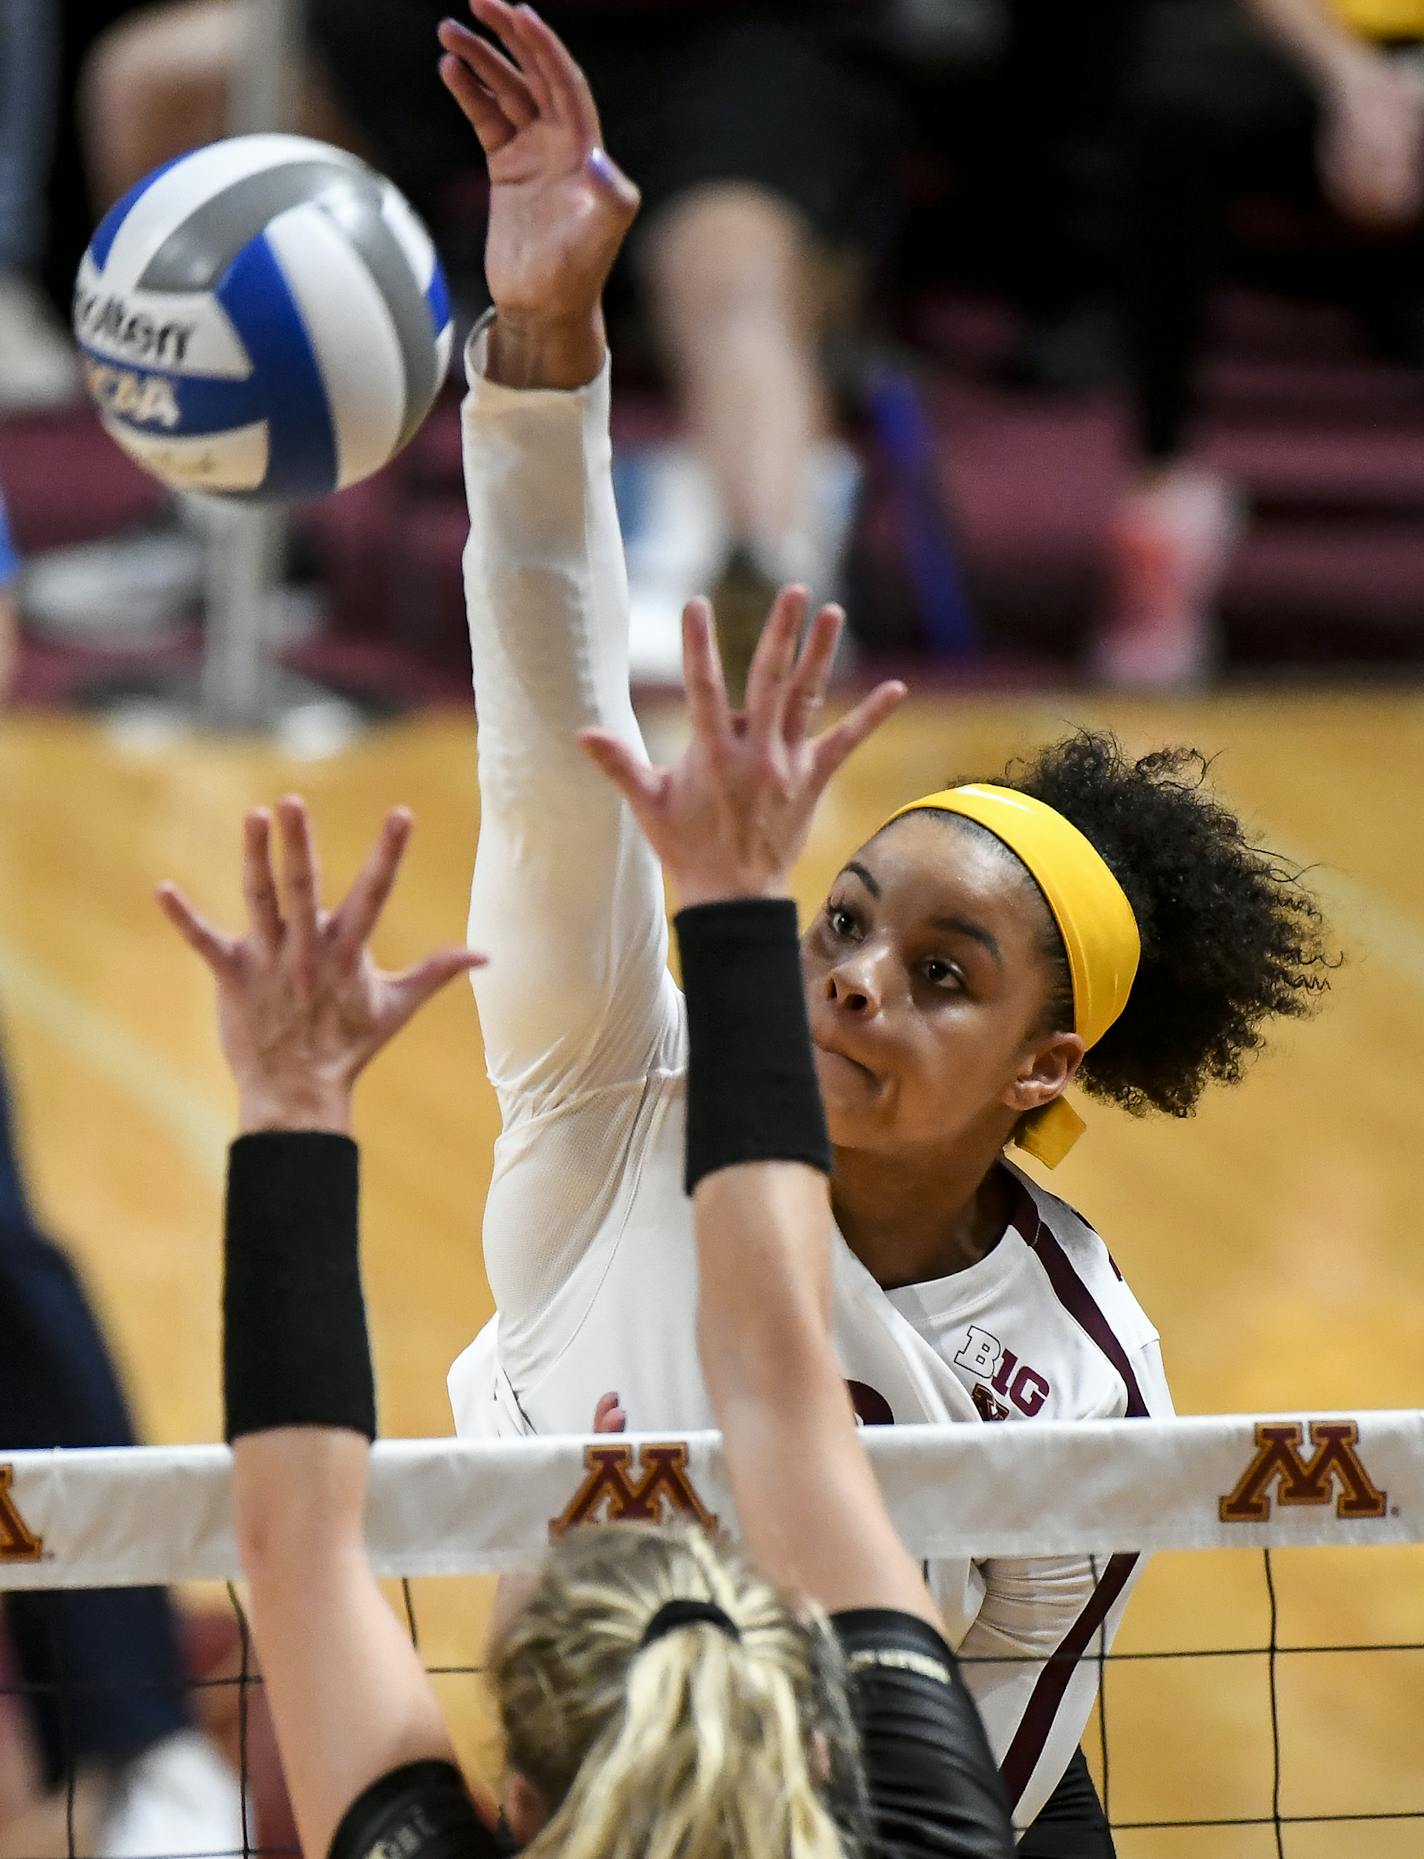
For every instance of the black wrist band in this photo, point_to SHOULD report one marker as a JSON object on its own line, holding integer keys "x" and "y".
{"x": 295, "y": 1349}
{"x": 752, "y": 1094}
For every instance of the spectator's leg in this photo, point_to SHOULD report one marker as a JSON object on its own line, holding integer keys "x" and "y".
{"x": 37, "y": 368}
{"x": 58, "y": 1387}
{"x": 1214, "y": 111}
{"x": 159, "y": 82}
{"x": 1391, "y": 297}
{"x": 28, "y": 53}
{"x": 1177, "y": 198}
{"x": 117, "y": 1648}
{"x": 763, "y": 143}
{"x": 730, "y": 274}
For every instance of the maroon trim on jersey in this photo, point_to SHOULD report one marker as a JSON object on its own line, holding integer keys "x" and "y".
{"x": 1031, "y": 1737}
{"x": 1075, "y": 1297}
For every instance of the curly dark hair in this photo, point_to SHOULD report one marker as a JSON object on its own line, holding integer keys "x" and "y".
{"x": 1230, "y": 937}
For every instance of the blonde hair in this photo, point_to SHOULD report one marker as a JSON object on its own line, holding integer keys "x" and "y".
{"x": 696, "y": 1746}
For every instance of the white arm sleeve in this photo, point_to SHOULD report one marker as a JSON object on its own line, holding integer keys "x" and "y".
{"x": 567, "y": 898}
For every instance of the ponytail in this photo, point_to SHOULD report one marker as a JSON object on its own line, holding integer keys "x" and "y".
{"x": 696, "y": 1746}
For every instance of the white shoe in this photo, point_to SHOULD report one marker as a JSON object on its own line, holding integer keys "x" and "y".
{"x": 142, "y": 587}
{"x": 678, "y": 544}
{"x": 39, "y": 365}
{"x": 1172, "y": 544}
{"x": 673, "y": 531}
{"x": 179, "y": 1797}
{"x": 655, "y": 631}
{"x": 131, "y": 589}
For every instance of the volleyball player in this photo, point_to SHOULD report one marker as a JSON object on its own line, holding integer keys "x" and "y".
{"x": 1086, "y": 915}
{"x": 661, "y": 1698}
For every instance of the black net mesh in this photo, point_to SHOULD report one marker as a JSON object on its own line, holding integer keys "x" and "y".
{"x": 1232, "y": 1728}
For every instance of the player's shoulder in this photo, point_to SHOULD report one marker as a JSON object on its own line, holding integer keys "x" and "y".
{"x": 1085, "y": 1278}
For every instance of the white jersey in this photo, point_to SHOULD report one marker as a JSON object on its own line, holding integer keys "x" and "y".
{"x": 588, "y": 1234}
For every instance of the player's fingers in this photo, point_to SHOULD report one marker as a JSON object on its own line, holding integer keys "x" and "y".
{"x": 415, "y": 986}
{"x": 490, "y": 124}
{"x": 568, "y": 87}
{"x": 636, "y": 780}
{"x": 703, "y": 680}
{"x": 200, "y": 936}
{"x": 498, "y": 75}
{"x": 610, "y": 1415}
{"x": 846, "y": 737}
{"x": 507, "y": 23}
{"x": 812, "y": 673}
{"x": 769, "y": 679}
{"x": 301, "y": 876}
{"x": 259, "y": 887}
{"x": 356, "y": 917}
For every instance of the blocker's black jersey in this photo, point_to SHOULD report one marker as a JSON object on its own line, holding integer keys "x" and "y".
{"x": 934, "y": 1792}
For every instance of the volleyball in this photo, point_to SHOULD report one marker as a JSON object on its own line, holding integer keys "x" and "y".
{"x": 264, "y": 318}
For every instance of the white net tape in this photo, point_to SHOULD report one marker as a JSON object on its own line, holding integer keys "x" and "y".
{"x": 1262, "y": 1707}
{"x": 149, "y": 1515}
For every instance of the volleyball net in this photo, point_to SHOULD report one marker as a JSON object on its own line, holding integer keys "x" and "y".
{"x": 1264, "y": 1696}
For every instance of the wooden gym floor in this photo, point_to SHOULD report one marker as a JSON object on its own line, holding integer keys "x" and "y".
{"x": 1274, "y": 1239}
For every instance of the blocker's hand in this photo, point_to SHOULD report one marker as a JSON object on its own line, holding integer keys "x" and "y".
{"x": 559, "y": 207}
{"x": 302, "y": 1007}
{"x": 731, "y": 818}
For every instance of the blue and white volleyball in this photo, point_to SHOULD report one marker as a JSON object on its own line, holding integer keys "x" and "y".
{"x": 264, "y": 318}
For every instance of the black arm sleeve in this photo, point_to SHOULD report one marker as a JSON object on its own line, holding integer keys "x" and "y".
{"x": 421, "y": 1811}
{"x": 752, "y": 1094}
{"x": 295, "y": 1351}
{"x": 934, "y": 1790}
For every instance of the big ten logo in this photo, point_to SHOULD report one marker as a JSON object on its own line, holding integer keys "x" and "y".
{"x": 986, "y": 1357}
{"x": 18, "y": 1542}
{"x": 660, "y": 1490}
{"x": 1334, "y": 1469}
{"x": 146, "y": 399}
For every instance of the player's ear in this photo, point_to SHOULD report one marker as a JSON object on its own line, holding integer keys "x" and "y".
{"x": 1047, "y": 1069}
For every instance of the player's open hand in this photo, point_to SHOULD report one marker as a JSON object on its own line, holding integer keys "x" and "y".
{"x": 559, "y": 207}
{"x": 302, "y": 1007}
{"x": 731, "y": 818}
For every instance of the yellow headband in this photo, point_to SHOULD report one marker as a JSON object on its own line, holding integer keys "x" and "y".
{"x": 1093, "y": 916}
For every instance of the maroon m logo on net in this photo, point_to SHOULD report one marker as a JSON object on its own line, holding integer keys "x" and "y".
{"x": 660, "y": 1491}
{"x": 1333, "y": 1470}
{"x": 18, "y": 1542}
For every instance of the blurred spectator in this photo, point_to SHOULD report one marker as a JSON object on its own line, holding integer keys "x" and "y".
{"x": 106, "y": 1698}
{"x": 1300, "y": 97}
{"x": 37, "y": 365}
{"x": 103, "y": 1664}
{"x": 760, "y": 135}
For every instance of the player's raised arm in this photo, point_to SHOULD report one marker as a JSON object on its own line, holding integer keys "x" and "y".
{"x": 564, "y": 887}
{"x": 728, "y": 822}
{"x": 302, "y": 1009}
